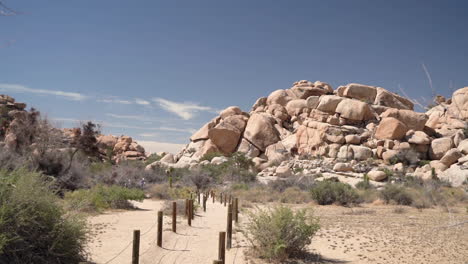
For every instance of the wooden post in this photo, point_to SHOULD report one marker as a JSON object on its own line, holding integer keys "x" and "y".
{"x": 204, "y": 203}
{"x": 186, "y": 207}
{"x": 189, "y": 216}
{"x": 230, "y": 198}
{"x": 217, "y": 262}
{"x": 225, "y": 200}
{"x": 174, "y": 217}
{"x": 198, "y": 197}
{"x": 192, "y": 209}
{"x": 236, "y": 210}
{"x": 221, "y": 198}
{"x": 212, "y": 195}
{"x": 160, "y": 229}
{"x": 221, "y": 247}
{"x": 136, "y": 247}
{"x": 229, "y": 227}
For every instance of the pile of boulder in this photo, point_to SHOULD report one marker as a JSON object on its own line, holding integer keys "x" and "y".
{"x": 348, "y": 127}
{"x": 12, "y": 113}
{"x": 120, "y": 148}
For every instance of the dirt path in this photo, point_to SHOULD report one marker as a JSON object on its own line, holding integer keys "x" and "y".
{"x": 369, "y": 234}
{"x": 195, "y": 244}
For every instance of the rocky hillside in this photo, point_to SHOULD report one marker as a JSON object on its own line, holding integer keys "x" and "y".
{"x": 347, "y": 132}
{"x": 14, "y": 118}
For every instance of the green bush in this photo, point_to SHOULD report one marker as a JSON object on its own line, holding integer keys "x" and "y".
{"x": 396, "y": 193}
{"x": 279, "y": 233}
{"x": 364, "y": 184}
{"x": 329, "y": 192}
{"x": 102, "y": 197}
{"x": 211, "y": 155}
{"x": 34, "y": 228}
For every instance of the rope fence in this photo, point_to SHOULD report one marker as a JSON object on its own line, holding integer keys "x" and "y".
{"x": 224, "y": 240}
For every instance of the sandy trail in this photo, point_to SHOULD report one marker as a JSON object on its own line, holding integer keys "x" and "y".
{"x": 195, "y": 244}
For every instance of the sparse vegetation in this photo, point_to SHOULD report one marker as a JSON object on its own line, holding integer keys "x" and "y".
{"x": 329, "y": 192}
{"x": 280, "y": 233}
{"x": 102, "y": 197}
{"x": 33, "y": 226}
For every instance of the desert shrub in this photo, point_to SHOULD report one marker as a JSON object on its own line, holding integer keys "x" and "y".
{"x": 329, "y": 192}
{"x": 368, "y": 195}
{"x": 294, "y": 195}
{"x": 102, "y": 197}
{"x": 152, "y": 158}
{"x": 279, "y": 233}
{"x": 34, "y": 228}
{"x": 364, "y": 184}
{"x": 256, "y": 194}
{"x": 397, "y": 194}
{"x": 164, "y": 192}
{"x": 235, "y": 169}
{"x": 209, "y": 156}
{"x": 130, "y": 174}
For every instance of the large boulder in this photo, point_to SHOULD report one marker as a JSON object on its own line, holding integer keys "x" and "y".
{"x": 361, "y": 153}
{"x": 386, "y": 98}
{"x": 248, "y": 149}
{"x": 227, "y": 133}
{"x": 439, "y": 147}
{"x": 377, "y": 175}
{"x": 451, "y": 156}
{"x": 230, "y": 111}
{"x": 202, "y": 133}
{"x": 456, "y": 175}
{"x": 459, "y": 104}
{"x": 278, "y": 111}
{"x": 294, "y": 107}
{"x": 463, "y": 146}
{"x": 328, "y": 103}
{"x": 303, "y": 89}
{"x": 260, "y": 131}
{"x": 418, "y": 137}
{"x": 310, "y": 136}
{"x": 361, "y": 92}
{"x": 280, "y": 97}
{"x": 413, "y": 120}
{"x": 391, "y": 128}
{"x": 354, "y": 110}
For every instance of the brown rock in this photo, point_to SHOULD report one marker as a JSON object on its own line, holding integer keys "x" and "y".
{"x": 354, "y": 110}
{"x": 439, "y": 147}
{"x": 361, "y": 92}
{"x": 377, "y": 175}
{"x": 260, "y": 131}
{"x": 386, "y": 98}
{"x": 295, "y": 107}
{"x": 230, "y": 111}
{"x": 280, "y": 97}
{"x": 413, "y": 120}
{"x": 328, "y": 103}
{"x": 451, "y": 156}
{"x": 391, "y": 128}
{"x": 226, "y": 135}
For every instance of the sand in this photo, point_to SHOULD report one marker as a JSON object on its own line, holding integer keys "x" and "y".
{"x": 195, "y": 244}
{"x": 369, "y": 234}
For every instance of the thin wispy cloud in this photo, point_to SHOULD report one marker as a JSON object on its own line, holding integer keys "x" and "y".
{"x": 24, "y": 89}
{"x": 115, "y": 101}
{"x": 142, "y": 102}
{"x": 184, "y": 110}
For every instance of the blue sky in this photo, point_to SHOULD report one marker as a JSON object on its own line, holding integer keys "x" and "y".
{"x": 158, "y": 70}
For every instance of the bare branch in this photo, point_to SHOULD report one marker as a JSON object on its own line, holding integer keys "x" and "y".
{"x": 6, "y": 11}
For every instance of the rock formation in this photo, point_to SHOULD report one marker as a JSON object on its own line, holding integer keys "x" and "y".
{"x": 346, "y": 128}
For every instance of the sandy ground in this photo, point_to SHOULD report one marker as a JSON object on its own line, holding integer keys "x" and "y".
{"x": 195, "y": 244}
{"x": 368, "y": 234}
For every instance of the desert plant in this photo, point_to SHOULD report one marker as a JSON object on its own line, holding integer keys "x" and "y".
{"x": 396, "y": 193}
{"x": 209, "y": 156}
{"x": 279, "y": 233}
{"x": 364, "y": 184}
{"x": 34, "y": 228}
{"x": 102, "y": 197}
{"x": 329, "y": 192}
